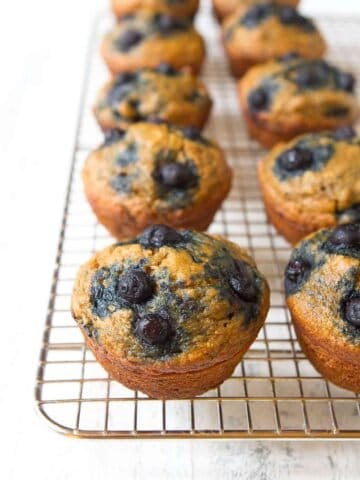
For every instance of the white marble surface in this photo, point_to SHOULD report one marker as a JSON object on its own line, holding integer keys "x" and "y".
{"x": 42, "y": 49}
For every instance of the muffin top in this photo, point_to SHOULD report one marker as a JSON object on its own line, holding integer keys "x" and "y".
{"x": 146, "y": 32}
{"x": 322, "y": 284}
{"x": 156, "y": 167}
{"x": 176, "y": 8}
{"x": 288, "y": 90}
{"x": 266, "y": 31}
{"x": 316, "y": 177}
{"x": 227, "y": 7}
{"x": 168, "y": 296}
{"x": 164, "y": 93}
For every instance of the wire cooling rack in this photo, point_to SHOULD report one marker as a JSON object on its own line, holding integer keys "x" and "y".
{"x": 274, "y": 392}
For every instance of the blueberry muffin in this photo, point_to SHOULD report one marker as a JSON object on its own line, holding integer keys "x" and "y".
{"x": 322, "y": 283}
{"x": 175, "y": 8}
{"x": 163, "y": 93}
{"x": 224, "y": 8}
{"x": 283, "y": 99}
{"x": 265, "y": 32}
{"x": 170, "y": 313}
{"x": 155, "y": 174}
{"x": 148, "y": 39}
{"x": 312, "y": 182}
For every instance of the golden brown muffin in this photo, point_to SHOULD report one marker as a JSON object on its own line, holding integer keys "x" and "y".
{"x": 145, "y": 40}
{"x": 283, "y": 99}
{"x": 322, "y": 283}
{"x": 155, "y": 174}
{"x": 224, "y": 8}
{"x": 312, "y": 182}
{"x": 267, "y": 31}
{"x": 177, "y": 8}
{"x": 163, "y": 93}
{"x": 170, "y": 312}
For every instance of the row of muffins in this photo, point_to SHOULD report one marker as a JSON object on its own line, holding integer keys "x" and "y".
{"x": 163, "y": 312}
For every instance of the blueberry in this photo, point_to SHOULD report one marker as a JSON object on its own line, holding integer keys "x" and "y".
{"x": 258, "y": 99}
{"x": 116, "y": 94}
{"x": 255, "y": 15}
{"x": 135, "y": 286}
{"x": 311, "y": 75}
{"x": 243, "y": 283}
{"x": 129, "y": 39}
{"x": 192, "y": 133}
{"x": 345, "y": 81}
{"x": 113, "y": 136}
{"x": 125, "y": 77}
{"x": 288, "y": 15}
{"x": 153, "y": 329}
{"x": 346, "y": 236}
{"x": 351, "y": 310}
{"x": 176, "y": 175}
{"x": 344, "y": 133}
{"x": 288, "y": 57}
{"x": 159, "y": 235}
{"x": 166, "y": 69}
{"x": 296, "y": 272}
{"x": 167, "y": 24}
{"x": 295, "y": 159}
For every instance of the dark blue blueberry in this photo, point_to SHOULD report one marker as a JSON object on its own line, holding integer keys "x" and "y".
{"x": 176, "y": 175}
{"x": 345, "y": 81}
{"x": 288, "y": 57}
{"x": 311, "y": 75}
{"x": 344, "y": 133}
{"x": 168, "y": 24}
{"x": 295, "y": 159}
{"x": 297, "y": 271}
{"x": 135, "y": 286}
{"x": 256, "y": 14}
{"x": 346, "y": 236}
{"x": 351, "y": 309}
{"x": 113, "y": 136}
{"x": 122, "y": 183}
{"x": 192, "y": 133}
{"x": 125, "y": 77}
{"x": 159, "y": 235}
{"x": 166, "y": 69}
{"x": 243, "y": 283}
{"x": 290, "y": 16}
{"x": 129, "y": 39}
{"x": 153, "y": 329}
{"x": 258, "y": 99}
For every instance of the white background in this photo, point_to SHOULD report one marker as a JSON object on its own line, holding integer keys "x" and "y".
{"x": 42, "y": 50}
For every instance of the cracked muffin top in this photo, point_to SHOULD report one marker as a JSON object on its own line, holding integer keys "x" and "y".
{"x": 322, "y": 284}
{"x": 315, "y": 178}
{"x": 164, "y": 93}
{"x": 295, "y": 93}
{"x": 148, "y": 39}
{"x": 172, "y": 297}
{"x": 176, "y": 8}
{"x": 266, "y": 31}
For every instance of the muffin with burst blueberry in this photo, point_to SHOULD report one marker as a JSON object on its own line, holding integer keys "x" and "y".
{"x": 267, "y": 31}
{"x": 224, "y": 8}
{"x": 163, "y": 93}
{"x": 175, "y": 8}
{"x": 155, "y": 173}
{"x": 147, "y": 39}
{"x": 291, "y": 96}
{"x": 312, "y": 182}
{"x": 322, "y": 284}
{"x": 170, "y": 313}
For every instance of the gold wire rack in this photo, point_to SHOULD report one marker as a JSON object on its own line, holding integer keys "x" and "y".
{"x": 274, "y": 392}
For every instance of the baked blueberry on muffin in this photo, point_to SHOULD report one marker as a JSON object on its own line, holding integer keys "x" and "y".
{"x": 170, "y": 313}
{"x": 175, "y": 8}
{"x": 312, "y": 182}
{"x": 147, "y": 40}
{"x": 155, "y": 173}
{"x": 163, "y": 93}
{"x": 267, "y": 31}
{"x": 322, "y": 283}
{"x": 282, "y": 99}
{"x": 224, "y": 8}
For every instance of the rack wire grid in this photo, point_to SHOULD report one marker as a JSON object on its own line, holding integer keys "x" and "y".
{"x": 274, "y": 392}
